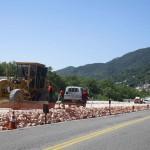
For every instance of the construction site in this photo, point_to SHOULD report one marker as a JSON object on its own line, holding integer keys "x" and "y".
{"x": 24, "y": 101}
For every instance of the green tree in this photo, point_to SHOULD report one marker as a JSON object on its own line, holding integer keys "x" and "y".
{"x": 72, "y": 80}
{"x": 55, "y": 80}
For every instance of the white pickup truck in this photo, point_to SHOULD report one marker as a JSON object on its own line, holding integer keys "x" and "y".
{"x": 73, "y": 94}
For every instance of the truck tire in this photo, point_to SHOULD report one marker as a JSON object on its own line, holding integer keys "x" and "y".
{"x": 16, "y": 95}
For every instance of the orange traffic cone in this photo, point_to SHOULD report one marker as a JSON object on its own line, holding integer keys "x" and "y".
{"x": 12, "y": 122}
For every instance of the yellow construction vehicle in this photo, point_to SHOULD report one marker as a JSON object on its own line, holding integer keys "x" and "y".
{"x": 29, "y": 83}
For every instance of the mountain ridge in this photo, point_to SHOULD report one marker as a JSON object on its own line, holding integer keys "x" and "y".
{"x": 128, "y": 61}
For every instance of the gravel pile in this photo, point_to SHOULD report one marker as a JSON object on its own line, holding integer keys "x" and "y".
{"x": 30, "y": 118}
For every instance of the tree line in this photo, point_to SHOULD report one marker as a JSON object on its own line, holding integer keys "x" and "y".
{"x": 98, "y": 89}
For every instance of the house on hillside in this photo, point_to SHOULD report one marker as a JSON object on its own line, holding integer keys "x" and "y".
{"x": 145, "y": 87}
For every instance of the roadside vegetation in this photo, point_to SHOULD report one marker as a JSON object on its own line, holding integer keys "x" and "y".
{"x": 99, "y": 89}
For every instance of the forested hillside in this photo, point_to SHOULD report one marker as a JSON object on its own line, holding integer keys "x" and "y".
{"x": 131, "y": 66}
{"x": 135, "y": 76}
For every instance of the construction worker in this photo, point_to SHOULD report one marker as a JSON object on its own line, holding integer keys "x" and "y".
{"x": 85, "y": 96}
{"x": 51, "y": 93}
{"x": 61, "y": 98}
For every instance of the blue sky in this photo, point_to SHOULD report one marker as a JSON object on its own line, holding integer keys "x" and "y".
{"x": 62, "y": 33}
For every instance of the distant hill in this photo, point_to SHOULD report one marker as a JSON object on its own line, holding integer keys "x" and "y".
{"x": 133, "y": 60}
{"x": 66, "y": 71}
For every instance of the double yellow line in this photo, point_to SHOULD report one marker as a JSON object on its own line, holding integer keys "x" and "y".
{"x": 98, "y": 133}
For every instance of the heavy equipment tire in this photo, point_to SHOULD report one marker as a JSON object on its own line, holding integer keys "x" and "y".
{"x": 16, "y": 95}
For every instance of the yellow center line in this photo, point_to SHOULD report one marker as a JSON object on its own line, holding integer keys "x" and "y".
{"x": 98, "y": 133}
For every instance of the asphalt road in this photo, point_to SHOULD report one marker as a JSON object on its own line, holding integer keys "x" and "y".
{"x": 129, "y": 131}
